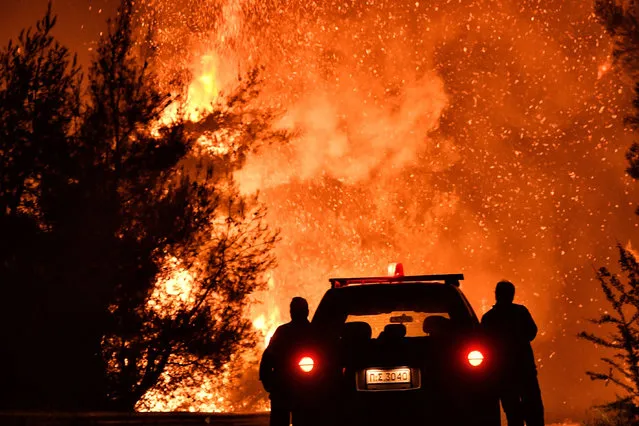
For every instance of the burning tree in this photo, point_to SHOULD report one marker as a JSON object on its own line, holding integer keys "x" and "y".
{"x": 167, "y": 210}
{"x": 143, "y": 249}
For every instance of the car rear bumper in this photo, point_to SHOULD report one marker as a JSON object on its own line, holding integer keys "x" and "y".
{"x": 422, "y": 407}
{"x": 407, "y": 407}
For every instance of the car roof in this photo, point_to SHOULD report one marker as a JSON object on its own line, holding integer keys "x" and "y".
{"x": 351, "y": 296}
{"x": 451, "y": 279}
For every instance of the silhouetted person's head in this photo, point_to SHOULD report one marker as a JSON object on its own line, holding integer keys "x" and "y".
{"x": 299, "y": 309}
{"x": 504, "y": 292}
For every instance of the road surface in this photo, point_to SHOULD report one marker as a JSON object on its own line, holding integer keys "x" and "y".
{"x": 146, "y": 419}
{"x": 134, "y": 419}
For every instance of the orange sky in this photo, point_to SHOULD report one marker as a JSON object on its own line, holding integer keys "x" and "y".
{"x": 79, "y": 21}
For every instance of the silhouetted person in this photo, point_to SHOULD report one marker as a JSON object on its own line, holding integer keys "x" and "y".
{"x": 512, "y": 328}
{"x": 279, "y": 364}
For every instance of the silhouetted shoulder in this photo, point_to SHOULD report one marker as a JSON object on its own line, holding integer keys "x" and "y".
{"x": 488, "y": 316}
{"x": 292, "y": 327}
{"x": 274, "y": 342}
{"x": 528, "y": 324}
{"x": 278, "y": 332}
{"x": 521, "y": 308}
{"x": 287, "y": 334}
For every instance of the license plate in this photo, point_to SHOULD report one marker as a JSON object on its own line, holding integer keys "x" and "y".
{"x": 376, "y": 376}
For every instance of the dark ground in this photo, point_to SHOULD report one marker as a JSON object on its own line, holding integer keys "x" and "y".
{"x": 135, "y": 419}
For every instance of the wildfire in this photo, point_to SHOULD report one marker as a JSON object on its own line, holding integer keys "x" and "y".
{"x": 266, "y": 314}
{"x": 203, "y": 90}
{"x": 175, "y": 285}
{"x": 213, "y": 394}
{"x": 469, "y": 137}
{"x": 200, "y": 97}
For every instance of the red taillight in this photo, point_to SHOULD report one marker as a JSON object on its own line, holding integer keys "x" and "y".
{"x": 306, "y": 364}
{"x": 395, "y": 270}
{"x": 475, "y": 358}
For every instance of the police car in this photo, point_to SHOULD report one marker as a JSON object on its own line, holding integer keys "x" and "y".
{"x": 397, "y": 350}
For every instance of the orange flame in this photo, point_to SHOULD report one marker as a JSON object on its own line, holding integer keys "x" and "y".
{"x": 469, "y": 137}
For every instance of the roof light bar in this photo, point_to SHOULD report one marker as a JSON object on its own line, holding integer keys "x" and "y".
{"x": 451, "y": 279}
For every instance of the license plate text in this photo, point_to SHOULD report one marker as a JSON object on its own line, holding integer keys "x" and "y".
{"x": 395, "y": 375}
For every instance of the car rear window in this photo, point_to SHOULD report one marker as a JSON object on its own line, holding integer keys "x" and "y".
{"x": 413, "y": 321}
{"x": 382, "y": 304}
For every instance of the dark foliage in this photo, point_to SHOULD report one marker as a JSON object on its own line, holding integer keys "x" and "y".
{"x": 101, "y": 205}
{"x": 623, "y": 340}
{"x": 619, "y": 413}
{"x": 39, "y": 96}
{"x": 39, "y": 107}
{"x": 621, "y": 21}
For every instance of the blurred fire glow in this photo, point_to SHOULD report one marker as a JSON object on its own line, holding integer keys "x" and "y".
{"x": 603, "y": 69}
{"x": 483, "y": 137}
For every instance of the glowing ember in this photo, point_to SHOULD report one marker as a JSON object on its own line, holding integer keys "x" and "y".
{"x": 603, "y": 69}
